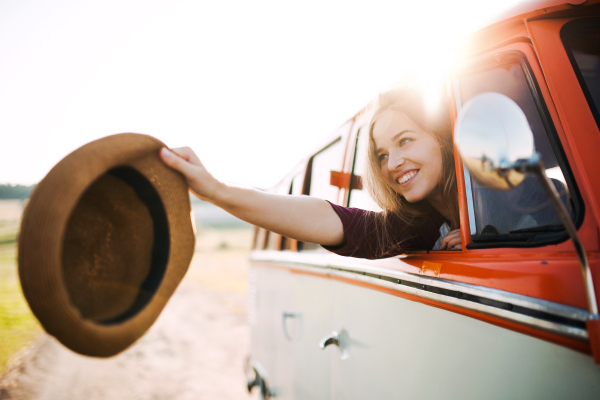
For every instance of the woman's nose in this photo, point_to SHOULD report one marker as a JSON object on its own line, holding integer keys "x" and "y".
{"x": 395, "y": 160}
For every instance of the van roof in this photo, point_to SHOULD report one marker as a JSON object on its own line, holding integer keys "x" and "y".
{"x": 529, "y": 6}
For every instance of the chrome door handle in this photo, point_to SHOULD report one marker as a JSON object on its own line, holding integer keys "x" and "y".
{"x": 284, "y": 317}
{"x": 334, "y": 338}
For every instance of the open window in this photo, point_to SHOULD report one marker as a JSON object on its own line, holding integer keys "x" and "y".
{"x": 523, "y": 216}
{"x": 359, "y": 197}
{"x": 318, "y": 179}
{"x": 296, "y": 188}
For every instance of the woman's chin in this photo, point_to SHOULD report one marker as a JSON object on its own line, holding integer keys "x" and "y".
{"x": 413, "y": 198}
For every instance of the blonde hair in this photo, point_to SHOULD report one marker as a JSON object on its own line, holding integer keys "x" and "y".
{"x": 411, "y": 99}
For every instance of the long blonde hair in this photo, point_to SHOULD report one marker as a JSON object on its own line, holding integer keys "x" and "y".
{"x": 411, "y": 99}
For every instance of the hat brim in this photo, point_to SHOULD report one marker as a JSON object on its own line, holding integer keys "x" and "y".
{"x": 43, "y": 229}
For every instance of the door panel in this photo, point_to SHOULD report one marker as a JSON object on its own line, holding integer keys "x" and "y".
{"x": 269, "y": 293}
{"x": 395, "y": 348}
{"x": 289, "y": 313}
{"x": 312, "y": 366}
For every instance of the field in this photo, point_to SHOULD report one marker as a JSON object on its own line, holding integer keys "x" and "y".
{"x": 18, "y": 327}
{"x": 220, "y": 265}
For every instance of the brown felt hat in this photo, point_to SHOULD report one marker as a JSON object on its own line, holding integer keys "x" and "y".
{"x": 105, "y": 239}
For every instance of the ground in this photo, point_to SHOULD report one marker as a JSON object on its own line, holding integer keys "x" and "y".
{"x": 195, "y": 350}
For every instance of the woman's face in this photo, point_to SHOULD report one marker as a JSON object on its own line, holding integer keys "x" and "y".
{"x": 410, "y": 158}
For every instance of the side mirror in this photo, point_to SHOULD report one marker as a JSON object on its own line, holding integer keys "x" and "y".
{"x": 494, "y": 139}
{"x": 496, "y": 145}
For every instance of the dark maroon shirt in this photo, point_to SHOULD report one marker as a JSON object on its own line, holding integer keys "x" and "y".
{"x": 362, "y": 229}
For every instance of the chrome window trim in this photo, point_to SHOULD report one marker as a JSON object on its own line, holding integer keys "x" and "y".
{"x": 467, "y": 175}
{"x": 344, "y": 267}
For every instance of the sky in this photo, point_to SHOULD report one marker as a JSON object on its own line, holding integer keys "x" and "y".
{"x": 251, "y": 86}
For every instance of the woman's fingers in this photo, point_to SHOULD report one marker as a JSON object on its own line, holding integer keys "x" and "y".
{"x": 184, "y": 160}
{"x": 451, "y": 240}
{"x": 187, "y": 154}
{"x": 177, "y": 162}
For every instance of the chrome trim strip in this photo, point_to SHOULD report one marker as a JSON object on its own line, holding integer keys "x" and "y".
{"x": 490, "y": 310}
{"x": 331, "y": 264}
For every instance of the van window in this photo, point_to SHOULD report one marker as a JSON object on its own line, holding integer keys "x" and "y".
{"x": 255, "y": 238}
{"x": 319, "y": 179}
{"x": 327, "y": 160}
{"x": 296, "y": 189}
{"x": 260, "y": 239}
{"x": 359, "y": 197}
{"x": 272, "y": 241}
{"x": 582, "y": 41}
{"x": 517, "y": 215}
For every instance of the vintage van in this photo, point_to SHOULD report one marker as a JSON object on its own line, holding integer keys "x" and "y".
{"x": 510, "y": 316}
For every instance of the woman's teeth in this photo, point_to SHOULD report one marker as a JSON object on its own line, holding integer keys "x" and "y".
{"x": 407, "y": 176}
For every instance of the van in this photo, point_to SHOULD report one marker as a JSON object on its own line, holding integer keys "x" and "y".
{"x": 506, "y": 317}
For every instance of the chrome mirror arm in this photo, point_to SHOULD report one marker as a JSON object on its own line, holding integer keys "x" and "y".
{"x": 535, "y": 166}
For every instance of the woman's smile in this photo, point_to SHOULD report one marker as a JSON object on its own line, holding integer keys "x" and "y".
{"x": 410, "y": 158}
{"x": 407, "y": 177}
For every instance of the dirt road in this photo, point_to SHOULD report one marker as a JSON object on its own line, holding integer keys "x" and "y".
{"x": 195, "y": 350}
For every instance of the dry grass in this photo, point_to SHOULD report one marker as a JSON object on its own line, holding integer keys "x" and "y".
{"x": 221, "y": 259}
{"x": 18, "y": 327}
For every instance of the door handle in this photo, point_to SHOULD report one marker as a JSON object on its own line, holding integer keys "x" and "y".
{"x": 284, "y": 317}
{"x": 333, "y": 338}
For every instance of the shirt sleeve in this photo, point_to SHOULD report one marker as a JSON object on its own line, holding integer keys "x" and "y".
{"x": 362, "y": 230}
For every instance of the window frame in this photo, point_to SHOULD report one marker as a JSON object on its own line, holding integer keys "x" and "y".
{"x": 355, "y": 180}
{"x": 308, "y": 175}
{"x": 530, "y": 239}
{"x": 308, "y": 179}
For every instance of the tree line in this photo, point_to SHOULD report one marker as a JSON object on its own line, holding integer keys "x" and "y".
{"x": 15, "y": 192}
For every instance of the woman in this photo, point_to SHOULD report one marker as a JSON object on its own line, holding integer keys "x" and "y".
{"x": 410, "y": 175}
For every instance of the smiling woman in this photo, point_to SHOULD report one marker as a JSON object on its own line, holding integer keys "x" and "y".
{"x": 410, "y": 170}
{"x": 410, "y": 175}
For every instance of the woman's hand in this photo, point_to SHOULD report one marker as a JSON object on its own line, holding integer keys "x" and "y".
{"x": 184, "y": 160}
{"x": 452, "y": 241}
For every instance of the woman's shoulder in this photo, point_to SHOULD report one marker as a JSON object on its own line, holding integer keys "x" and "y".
{"x": 365, "y": 231}
{"x": 353, "y": 214}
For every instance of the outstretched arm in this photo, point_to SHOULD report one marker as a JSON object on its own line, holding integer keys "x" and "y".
{"x": 304, "y": 218}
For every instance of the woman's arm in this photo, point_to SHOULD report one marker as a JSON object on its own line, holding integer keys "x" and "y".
{"x": 304, "y": 218}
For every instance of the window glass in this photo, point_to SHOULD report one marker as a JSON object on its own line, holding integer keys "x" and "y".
{"x": 260, "y": 239}
{"x": 296, "y": 189}
{"x": 297, "y": 184}
{"x": 255, "y": 238}
{"x": 327, "y": 160}
{"x": 582, "y": 39}
{"x": 359, "y": 197}
{"x": 272, "y": 241}
{"x": 525, "y": 207}
{"x": 319, "y": 175}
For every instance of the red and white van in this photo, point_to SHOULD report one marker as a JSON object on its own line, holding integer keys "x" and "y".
{"x": 504, "y": 318}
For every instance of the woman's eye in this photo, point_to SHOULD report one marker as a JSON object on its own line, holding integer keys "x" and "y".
{"x": 382, "y": 157}
{"x": 404, "y": 141}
